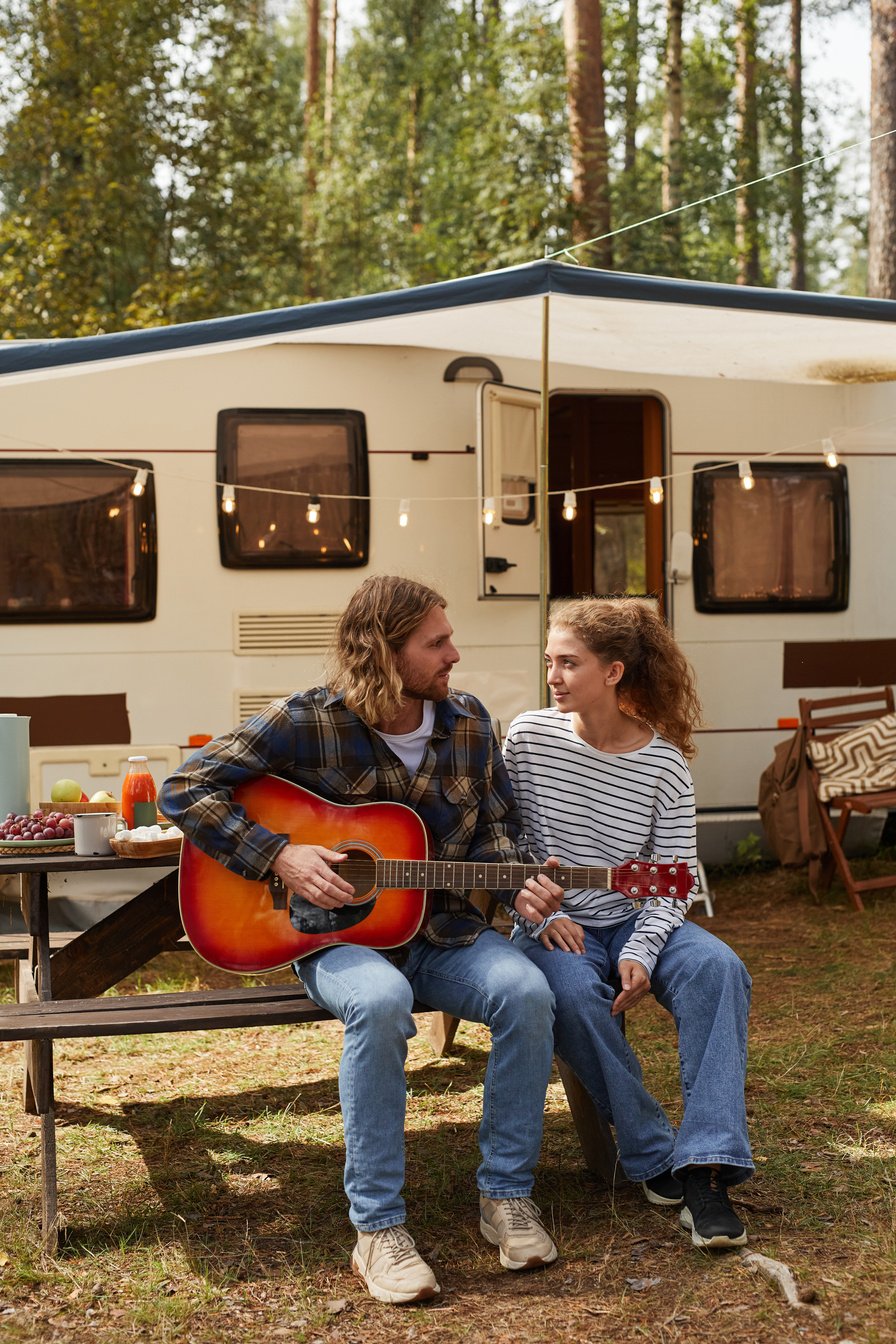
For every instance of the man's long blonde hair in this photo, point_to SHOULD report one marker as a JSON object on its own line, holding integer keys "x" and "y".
{"x": 380, "y": 617}
{"x": 657, "y": 685}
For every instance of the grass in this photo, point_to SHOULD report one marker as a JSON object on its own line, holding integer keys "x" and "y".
{"x": 200, "y": 1174}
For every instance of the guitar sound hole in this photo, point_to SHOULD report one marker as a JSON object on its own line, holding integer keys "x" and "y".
{"x": 359, "y": 869}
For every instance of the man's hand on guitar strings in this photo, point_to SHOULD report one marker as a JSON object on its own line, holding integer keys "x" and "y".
{"x": 307, "y": 870}
{"x": 540, "y": 897}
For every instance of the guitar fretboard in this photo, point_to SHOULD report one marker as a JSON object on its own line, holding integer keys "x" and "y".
{"x": 427, "y": 873}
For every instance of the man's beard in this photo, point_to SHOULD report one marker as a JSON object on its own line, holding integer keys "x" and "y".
{"x": 416, "y": 688}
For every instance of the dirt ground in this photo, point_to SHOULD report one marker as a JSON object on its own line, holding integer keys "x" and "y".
{"x": 200, "y": 1175}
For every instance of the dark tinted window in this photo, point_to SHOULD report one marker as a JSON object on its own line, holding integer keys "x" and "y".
{"x": 782, "y": 546}
{"x": 287, "y": 456}
{"x": 75, "y": 543}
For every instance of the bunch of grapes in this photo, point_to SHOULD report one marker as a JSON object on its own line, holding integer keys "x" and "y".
{"x": 37, "y": 826}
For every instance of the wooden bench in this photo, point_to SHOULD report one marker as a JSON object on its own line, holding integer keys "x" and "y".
{"x": 53, "y": 984}
{"x": 42, "y": 1022}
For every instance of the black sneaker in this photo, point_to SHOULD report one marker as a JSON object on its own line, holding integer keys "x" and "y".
{"x": 663, "y": 1189}
{"x": 707, "y": 1213}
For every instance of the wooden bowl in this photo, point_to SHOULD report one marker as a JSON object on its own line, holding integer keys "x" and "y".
{"x": 147, "y": 849}
{"x": 72, "y": 809}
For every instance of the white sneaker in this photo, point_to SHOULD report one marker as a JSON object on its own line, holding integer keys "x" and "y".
{"x": 514, "y": 1226}
{"x": 388, "y": 1263}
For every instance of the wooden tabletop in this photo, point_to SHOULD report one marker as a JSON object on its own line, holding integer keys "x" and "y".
{"x": 49, "y": 861}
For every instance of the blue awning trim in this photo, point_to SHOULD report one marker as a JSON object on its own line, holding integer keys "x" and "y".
{"x": 514, "y": 283}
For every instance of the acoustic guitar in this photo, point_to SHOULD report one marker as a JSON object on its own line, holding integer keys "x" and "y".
{"x": 247, "y": 926}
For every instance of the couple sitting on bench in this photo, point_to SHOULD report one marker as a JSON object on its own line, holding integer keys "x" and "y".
{"x": 600, "y": 779}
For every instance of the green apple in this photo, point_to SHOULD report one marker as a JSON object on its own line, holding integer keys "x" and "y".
{"x": 102, "y": 797}
{"x": 66, "y": 791}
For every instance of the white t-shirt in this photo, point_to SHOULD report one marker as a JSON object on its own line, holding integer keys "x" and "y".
{"x": 595, "y": 808}
{"x": 409, "y": 747}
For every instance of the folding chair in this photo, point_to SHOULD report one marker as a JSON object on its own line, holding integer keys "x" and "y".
{"x": 825, "y": 721}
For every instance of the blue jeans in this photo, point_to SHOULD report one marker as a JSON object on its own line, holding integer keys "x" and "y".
{"x": 706, "y": 988}
{"x": 488, "y": 981}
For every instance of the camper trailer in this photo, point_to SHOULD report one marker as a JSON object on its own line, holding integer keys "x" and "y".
{"x": 727, "y": 452}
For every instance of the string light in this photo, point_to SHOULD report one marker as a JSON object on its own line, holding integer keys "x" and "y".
{"x": 138, "y": 485}
{"x": 312, "y": 513}
{"x": 569, "y": 505}
{"x": 228, "y": 499}
{"x": 656, "y": 490}
{"x": 830, "y": 452}
{"x": 745, "y": 472}
{"x": 404, "y": 510}
{"x": 489, "y": 512}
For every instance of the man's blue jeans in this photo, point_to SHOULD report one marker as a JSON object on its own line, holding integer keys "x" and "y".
{"x": 706, "y": 988}
{"x": 488, "y": 981}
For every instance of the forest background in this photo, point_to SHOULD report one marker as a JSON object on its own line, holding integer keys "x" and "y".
{"x": 171, "y": 160}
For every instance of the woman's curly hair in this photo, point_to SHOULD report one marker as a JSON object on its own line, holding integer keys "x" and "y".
{"x": 657, "y": 685}
{"x": 376, "y": 624}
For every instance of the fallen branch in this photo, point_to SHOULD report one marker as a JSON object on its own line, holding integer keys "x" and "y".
{"x": 782, "y": 1278}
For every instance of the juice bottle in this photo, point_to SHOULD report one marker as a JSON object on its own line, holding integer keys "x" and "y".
{"x": 138, "y": 794}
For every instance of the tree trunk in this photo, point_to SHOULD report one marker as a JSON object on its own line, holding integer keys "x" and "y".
{"x": 672, "y": 118}
{"x": 746, "y": 229}
{"x": 583, "y": 37}
{"x": 630, "y": 103}
{"x": 882, "y": 211}
{"x": 312, "y": 104}
{"x": 312, "y": 61}
{"x": 414, "y": 138}
{"x": 330, "y": 75}
{"x": 797, "y": 204}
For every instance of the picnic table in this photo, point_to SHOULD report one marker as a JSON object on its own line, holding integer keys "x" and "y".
{"x": 61, "y": 984}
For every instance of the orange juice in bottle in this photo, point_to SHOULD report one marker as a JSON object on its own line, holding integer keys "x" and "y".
{"x": 138, "y": 794}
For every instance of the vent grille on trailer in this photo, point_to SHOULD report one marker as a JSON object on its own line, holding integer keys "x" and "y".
{"x": 247, "y": 703}
{"x": 267, "y": 632}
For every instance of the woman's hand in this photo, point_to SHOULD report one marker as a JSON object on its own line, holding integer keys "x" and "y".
{"x": 307, "y": 870}
{"x": 564, "y": 933}
{"x": 635, "y": 984}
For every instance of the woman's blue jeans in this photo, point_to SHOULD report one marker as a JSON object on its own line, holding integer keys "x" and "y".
{"x": 487, "y": 981}
{"x": 706, "y": 988}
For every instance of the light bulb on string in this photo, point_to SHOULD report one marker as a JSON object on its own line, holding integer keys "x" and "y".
{"x": 656, "y": 490}
{"x": 489, "y": 511}
{"x": 830, "y": 452}
{"x": 228, "y": 499}
{"x": 404, "y": 510}
{"x": 569, "y": 505}
{"x": 745, "y": 472}
{"x": 138, "y": 485}
{"x": 312, "y": 513}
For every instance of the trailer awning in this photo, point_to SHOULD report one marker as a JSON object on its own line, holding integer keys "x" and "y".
{"x": 598, "y": 319}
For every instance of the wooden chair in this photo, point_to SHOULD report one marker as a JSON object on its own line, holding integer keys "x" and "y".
{"x": 824, "y": 720}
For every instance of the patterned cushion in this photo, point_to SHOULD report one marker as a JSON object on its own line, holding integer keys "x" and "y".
{"x": 860, "y": 761}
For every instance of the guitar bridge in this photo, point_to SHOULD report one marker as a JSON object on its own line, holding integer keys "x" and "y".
{"x": 279, "y": 893}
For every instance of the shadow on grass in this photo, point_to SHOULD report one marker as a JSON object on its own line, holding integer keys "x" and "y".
{"x": 242, "y": 1202}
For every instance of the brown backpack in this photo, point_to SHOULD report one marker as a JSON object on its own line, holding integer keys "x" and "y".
{"x": 787, "y": 806}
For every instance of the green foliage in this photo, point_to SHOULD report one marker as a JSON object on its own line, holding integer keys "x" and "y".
{"x": 159, "y": 163}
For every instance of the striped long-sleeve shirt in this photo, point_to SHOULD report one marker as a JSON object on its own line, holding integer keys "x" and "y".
{"x": 593, "y": 808}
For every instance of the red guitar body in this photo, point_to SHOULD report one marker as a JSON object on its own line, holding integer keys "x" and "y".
{"x": 236, "y": 924}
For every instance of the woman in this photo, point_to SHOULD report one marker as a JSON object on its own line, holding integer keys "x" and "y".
{"x": 600, "y": 779}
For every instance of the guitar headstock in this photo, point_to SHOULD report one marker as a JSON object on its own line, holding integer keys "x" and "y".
{"x": 640, "y": 879}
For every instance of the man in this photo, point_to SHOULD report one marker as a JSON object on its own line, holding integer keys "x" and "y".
{"x": 387, "y": 728}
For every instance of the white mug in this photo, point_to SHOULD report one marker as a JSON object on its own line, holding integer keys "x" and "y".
{"x": 93, "y": 831}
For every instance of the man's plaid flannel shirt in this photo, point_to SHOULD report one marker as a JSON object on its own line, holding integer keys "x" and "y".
{"x": 461, "y": 790}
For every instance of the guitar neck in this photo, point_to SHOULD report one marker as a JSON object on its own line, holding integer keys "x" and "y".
{"x": 467, "y": 876}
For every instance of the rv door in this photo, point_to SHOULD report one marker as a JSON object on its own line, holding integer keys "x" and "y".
{"x": 508, "y": 420}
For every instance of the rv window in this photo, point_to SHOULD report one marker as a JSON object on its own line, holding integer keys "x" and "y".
{"x": 287, "y": 457}
{"x": 782, "y": 546}
{"x": 75, "y": 544}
